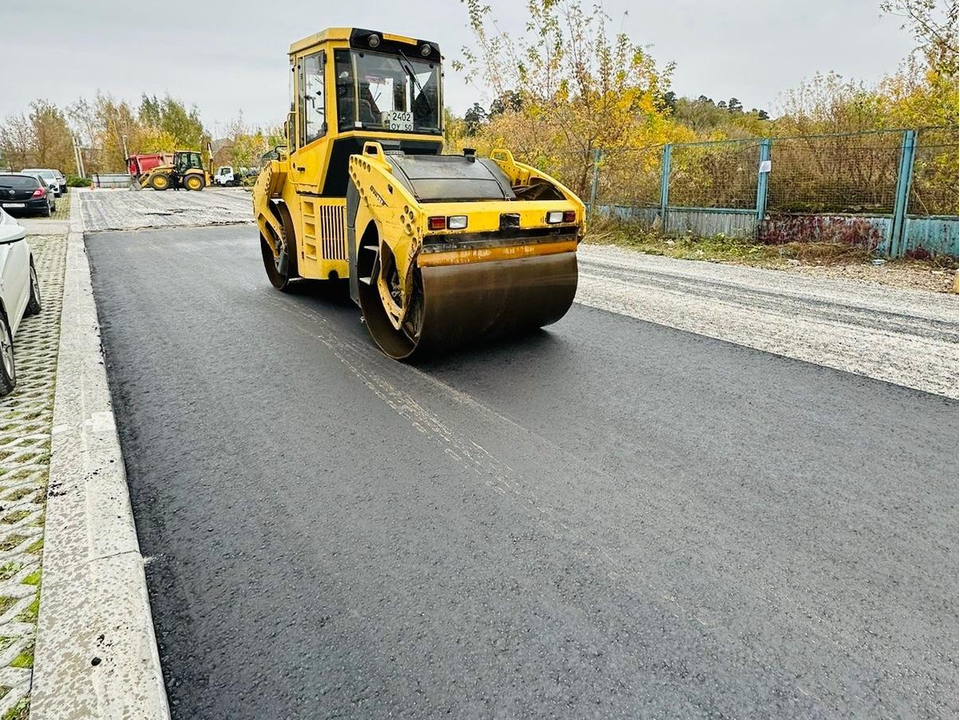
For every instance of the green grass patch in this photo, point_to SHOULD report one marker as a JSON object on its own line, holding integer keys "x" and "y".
{"x": 6, "y": 603}
{"x": 33, "y": 610}
{"x": 20, "y": 494}
{"x": 3, "y": 691}
{"x": 20, "y": 711}
{"x": 24, "y": 659}
{"x": 740, "y": 250}
{"x": 63, "y": 207}
{"x": 721, "y": 248}
{"x": 10, "y": 569}
{"x": 34, "y": 577}
{"x": 36, "y": 548}
{"x": 14, "y": 517}
{"x": 11, "y": 541}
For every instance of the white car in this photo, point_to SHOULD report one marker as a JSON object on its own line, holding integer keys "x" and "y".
{"x": 50, "y": 178}
{"x": 19, "y": 293}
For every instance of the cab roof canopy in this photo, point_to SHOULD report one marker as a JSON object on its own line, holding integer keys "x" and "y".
{"x": 369, "y": 40}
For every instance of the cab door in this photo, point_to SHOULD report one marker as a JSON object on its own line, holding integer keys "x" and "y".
{"x": 309, "y": 162}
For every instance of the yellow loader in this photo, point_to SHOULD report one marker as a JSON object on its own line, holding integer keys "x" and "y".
{"x": 439, "y": 250}
{"x": 187, "y": 171}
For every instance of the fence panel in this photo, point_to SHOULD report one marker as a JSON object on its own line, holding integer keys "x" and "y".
{"x": 935, "y": 189}
{"x": 931, "y": 225}
{"x": 714, "y": 175}
{"x": 835, "y": 174}
{"x": 630, "y": 177}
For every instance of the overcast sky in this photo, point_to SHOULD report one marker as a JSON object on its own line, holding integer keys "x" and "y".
{"x": 227, "y": 56}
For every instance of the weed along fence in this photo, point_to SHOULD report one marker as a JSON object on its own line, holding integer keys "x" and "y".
{"x": 894, "y": 191}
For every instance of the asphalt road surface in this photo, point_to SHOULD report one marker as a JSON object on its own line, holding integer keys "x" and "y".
{"x": 609, "y": 518}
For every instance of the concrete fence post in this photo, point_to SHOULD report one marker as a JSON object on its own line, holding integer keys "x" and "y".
{"x": 665, "y": 186}
{"x": 897, "y": 243}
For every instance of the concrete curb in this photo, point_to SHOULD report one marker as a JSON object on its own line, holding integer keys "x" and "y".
{"x": 96, "y": 653}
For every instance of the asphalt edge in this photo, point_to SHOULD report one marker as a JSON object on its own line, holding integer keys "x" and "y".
{"x": 96, "y": 652}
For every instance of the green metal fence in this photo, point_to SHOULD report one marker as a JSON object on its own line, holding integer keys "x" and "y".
{"x": 893, "y": 191}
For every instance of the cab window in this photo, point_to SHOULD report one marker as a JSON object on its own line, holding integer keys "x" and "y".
{"x": 312, "y": 120}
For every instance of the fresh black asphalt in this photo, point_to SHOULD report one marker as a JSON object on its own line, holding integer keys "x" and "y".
{"x": 606, "y": 519}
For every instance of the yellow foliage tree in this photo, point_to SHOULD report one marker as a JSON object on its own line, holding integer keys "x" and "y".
{"x": 566, "y": 88}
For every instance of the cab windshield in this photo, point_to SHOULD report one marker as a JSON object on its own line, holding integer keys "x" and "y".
{"x": 396, "y": 93}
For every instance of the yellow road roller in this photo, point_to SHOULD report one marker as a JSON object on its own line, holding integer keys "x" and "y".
{"x": 439, "y": 250}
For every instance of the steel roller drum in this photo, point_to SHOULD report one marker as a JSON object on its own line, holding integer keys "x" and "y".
{"x": 474, "y": 302}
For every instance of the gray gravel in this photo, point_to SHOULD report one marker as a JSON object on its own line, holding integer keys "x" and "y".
{"x": 131, "y": 210}
{"x": 901, "y": 336}
{"x": 608, "y": 519}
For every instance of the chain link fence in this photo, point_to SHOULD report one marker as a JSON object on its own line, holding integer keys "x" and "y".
{"x": 714, "y": 175}
{"x": 829, "y": 174}
{"x": 895, "y": 191}
{"x": 935, "y": 189}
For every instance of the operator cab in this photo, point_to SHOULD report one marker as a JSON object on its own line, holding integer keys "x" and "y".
{"x": 389, "y": 92}
{"x": 351, "y": 86}
{"x": 184, "y": 160}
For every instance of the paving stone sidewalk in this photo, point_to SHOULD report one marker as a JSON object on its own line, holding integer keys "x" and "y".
{"x": 26, "y": 416}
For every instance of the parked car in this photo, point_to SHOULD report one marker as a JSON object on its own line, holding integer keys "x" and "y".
{"x": 51, "y": 176}
{"x": 25, "y": 194}
{"x": 51, "y": 186}
{"x": 63, "y": 181}
{"x": 19, "y": 293}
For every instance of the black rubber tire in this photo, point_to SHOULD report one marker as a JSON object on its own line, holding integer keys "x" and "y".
{"x": 8, "y": 377}
{"x": 188, "y": 178}
{"x": 34, "y": 305}
{"x": 47, "y": 211}
{"x": 278, "y": 279}
{"x": 162, "y": 180}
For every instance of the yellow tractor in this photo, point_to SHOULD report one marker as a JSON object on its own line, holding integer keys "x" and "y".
{"x": 187, "y": 171}
{"x": 439, "y": 250}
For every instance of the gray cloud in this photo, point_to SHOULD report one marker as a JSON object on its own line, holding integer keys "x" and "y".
{"x": 227, "y": 56}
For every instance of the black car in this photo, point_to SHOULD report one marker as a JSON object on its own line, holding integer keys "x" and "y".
{"x": 22, "y": 194}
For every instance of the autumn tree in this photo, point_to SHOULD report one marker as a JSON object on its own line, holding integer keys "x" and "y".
{"x": 52, "y": 142}
{"x": 934, "y": 27}
{"x": 565, "y": 87}
{"x": 16, "y": 142}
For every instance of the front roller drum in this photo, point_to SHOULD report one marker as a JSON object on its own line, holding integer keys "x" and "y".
{"x": 474, "y": 302}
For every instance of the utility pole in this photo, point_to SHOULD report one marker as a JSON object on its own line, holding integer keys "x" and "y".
{"x": 123, "y": 139}
{"x": 78, "y": 155}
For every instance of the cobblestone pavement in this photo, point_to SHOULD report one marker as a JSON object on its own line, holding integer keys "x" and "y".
{"x": 25, "y": 424}
{"x": 132, "y": 210}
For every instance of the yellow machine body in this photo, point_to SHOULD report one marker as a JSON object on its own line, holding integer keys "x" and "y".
{"x": 186, "y": 171}
{"x": 439, "y": 250}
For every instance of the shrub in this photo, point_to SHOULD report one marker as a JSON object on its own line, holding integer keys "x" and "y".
{"x": 74, "y": 181}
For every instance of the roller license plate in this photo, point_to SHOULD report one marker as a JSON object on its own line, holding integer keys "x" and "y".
{"x": 14, "y": 205}
{"x": 398, "y": 120}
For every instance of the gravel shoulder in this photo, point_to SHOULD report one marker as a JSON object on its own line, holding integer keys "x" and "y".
{"x": 907, "y": 337}
{"x": 133, "y": 210}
